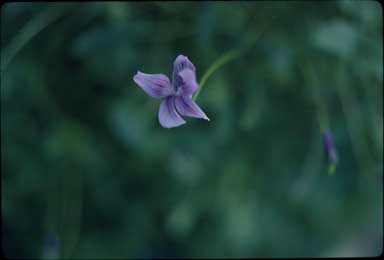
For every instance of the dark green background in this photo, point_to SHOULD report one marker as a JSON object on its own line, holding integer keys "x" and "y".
{"x": 84, "y": 157}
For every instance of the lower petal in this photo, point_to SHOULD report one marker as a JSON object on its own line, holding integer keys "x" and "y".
{"x": 168, "y": 116}
{"x": 187, "y": 107}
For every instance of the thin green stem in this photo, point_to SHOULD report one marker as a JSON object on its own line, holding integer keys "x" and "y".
{"x": 312, "y": 81}
{"x": 222, "y": 60}
{"x": 71, "y": 211}
{"x": 229, "y": 56}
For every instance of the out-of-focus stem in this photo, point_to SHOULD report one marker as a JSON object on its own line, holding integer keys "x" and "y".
{"x": 71, "y": 210}
{"x": 353, "y": 118}
{"x": 32, "y": 28}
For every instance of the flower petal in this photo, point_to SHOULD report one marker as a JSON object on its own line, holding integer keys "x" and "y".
{"x": 182, "y": 62}
{"x": 155, "y": 85}
{"x": 189, "y": 84}
{"x": 329, "y": 145}
{"x": 168, "y": 116}
{"x": 187, "y": 107}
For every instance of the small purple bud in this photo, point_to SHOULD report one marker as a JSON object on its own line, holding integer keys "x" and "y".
{"x": 330, "y": 146}
{"x": 51, "y": 246}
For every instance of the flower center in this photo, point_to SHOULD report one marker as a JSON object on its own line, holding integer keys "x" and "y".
{"x": 178, "y": 91}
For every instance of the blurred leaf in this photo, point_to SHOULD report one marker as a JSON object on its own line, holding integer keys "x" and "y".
{"x": 336, "y": 37}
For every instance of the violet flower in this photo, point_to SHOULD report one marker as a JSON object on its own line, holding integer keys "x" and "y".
{"x": 330, "y": 146}
{"x": 176, "y": 95}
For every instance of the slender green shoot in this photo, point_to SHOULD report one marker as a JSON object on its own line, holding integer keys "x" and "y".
{"x": 31, "y": 29}
{"x": 229, "y": 56}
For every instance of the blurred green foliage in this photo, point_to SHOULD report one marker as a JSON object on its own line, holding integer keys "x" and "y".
{"x": 84, "y": 157}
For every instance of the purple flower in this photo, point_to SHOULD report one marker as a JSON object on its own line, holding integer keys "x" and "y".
{"x": 329, "y": 146}
{"x": 176, "y": 95}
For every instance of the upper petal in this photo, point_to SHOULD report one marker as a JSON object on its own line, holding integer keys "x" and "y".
{"x": 155, "y": 85}
{"x": 187, "y": 107}
{"x": 181, "y": 62}
{"x": 168, "y": 116}
{"x": 189, "y": 84}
